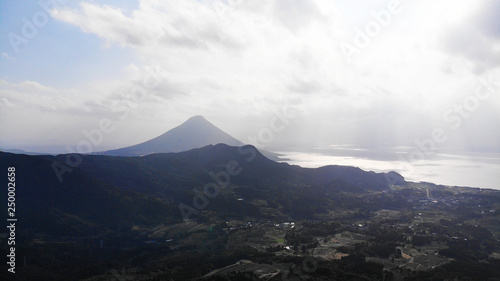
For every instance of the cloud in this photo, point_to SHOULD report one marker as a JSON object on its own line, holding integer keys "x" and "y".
{"x": 181, "y": 24}
{"x": 109, "y": 23}
{"x": 487, "y": 21}
{"x": 296, "y": 14}
{"x": 256, "y": 49}
{"x": 33, "y": 86}
{"x": 5, "y": 102}
{"x": 142, "y": 85}
{"x": 241, "y": 60}
{"x": 478, "y": 37}
{"x": 5, "y": 55}
{"x": 30, "y": 95}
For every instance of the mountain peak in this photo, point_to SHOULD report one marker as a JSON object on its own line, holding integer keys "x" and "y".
{"x": 196, "y": 118}
{"x": 195, "y": 132}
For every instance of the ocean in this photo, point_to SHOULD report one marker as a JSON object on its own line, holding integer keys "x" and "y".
{"x": 451, "y": 167}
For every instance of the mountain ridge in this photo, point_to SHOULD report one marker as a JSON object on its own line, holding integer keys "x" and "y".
{"x": 164, "y": 180}
{"x": 171, "y": 177}
{"x": 218, "y": 204}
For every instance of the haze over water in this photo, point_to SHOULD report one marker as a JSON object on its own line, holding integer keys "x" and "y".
{"x": 452, "y": 167}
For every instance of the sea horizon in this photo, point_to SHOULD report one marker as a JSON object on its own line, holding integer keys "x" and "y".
{"x": 450, "y": 168}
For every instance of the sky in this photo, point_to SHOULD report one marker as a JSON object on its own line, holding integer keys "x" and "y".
{"x": 361, "y": 72}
